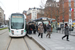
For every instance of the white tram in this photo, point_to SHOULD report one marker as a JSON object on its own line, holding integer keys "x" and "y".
{"x": 17, "y": 25}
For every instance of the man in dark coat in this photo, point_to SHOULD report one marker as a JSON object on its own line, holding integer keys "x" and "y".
{"x": 27, "y": 28}
{"x": 66, "y": 31}
{"x": 30, "y": 28}
{"x": 33, "y": 28}
{"x": 45, "y": 28}
{"x": 48, "y": 30}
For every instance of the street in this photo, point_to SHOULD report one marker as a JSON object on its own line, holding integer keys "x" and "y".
{"x": 25, "y": 26}
{"x": 53, "y": 43}
{"x": 8, "y": 43}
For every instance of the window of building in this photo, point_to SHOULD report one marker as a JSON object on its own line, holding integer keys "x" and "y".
{"x": 69, "y": 17}
{"x": 74, "y": 14}
{"x": 74, "y": 0}
{"x": 74, "y": 9}
{"x": 74, "y": 4}
{"x": 69, "y": 10}
{"x": 69, "y": 0}
{"x": 69, "y": 14}
{"x": 69, "y": 5}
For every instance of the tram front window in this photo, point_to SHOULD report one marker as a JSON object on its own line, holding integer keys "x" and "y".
{"x": 17, "y": 23}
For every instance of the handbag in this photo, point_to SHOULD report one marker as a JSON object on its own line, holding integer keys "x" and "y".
{"x": 30, "y": 28}
{"x": 70, "y": 29}
{"x": 38, "y": 28}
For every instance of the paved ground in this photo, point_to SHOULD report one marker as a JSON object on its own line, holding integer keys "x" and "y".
{"x": 3, "y": 31}
{"x": 4, "y": 40}
{"x": 16, "y": 43}
{"x": 73, "y": 32}
{"x": 55, "y": 42}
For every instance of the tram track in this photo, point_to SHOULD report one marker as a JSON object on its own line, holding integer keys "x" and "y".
{"x": 24, "y": 43}
{"x": 27, "y": 44}
{"x": 11, "y": 39}
{"x": 9, "y": 43}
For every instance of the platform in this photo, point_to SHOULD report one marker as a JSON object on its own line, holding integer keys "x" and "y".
{"x": 55, "y": 42}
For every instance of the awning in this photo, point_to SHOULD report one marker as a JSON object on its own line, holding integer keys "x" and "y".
{"x": 42, "y": 19}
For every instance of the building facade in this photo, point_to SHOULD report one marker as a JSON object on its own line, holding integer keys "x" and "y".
{"x": 66, "y": 6}
{"x": 32, "y": 14}
{"x": 69, "y": 5}
{"x": 2, "y": 19}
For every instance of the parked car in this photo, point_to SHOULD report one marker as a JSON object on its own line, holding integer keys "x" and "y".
{"x": 0, "y": 27}
{"x": 3, "y": 26}
{"x": 6, "y": 25}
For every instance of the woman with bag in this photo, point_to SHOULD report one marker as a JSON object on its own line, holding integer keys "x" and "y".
{"x": 40, "y": 30}
{"x": 49, "y": 30}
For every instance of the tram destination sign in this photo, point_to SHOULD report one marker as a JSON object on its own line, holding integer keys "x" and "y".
{"x": 17, "y": 17}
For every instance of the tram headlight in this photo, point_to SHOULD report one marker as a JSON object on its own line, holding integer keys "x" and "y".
{"x": 22, "y": 32}
{"x": 12, "y": 32}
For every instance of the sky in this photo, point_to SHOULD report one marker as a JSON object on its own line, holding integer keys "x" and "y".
{"x": 13, "y": 6}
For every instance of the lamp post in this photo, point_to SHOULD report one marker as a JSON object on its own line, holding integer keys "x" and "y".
{"x": 62, "y": 15}
{"x": 63, "y": 10}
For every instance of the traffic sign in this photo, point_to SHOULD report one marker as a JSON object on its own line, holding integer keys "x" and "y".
{"x": 70, "y": 21}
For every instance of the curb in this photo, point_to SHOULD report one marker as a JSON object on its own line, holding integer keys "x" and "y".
{"x": 36, "y": 42}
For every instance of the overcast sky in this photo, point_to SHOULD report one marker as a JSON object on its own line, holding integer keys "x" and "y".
{"x": 12, "y": 6}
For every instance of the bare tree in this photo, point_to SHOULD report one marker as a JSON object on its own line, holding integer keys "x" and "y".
{"x": 42, "y": 6}
{"x": 55, "y": 10}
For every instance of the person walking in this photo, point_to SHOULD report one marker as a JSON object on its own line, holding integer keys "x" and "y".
{"x": 45, "y": 28}
{"x": 40, "y": 30}
{"x": 30, "y": 28}
{"x": 34, "y": 28}
{"x": 27, "y": 28}
{"x": 66, "y": 31}
{"x": 49, "y": 30}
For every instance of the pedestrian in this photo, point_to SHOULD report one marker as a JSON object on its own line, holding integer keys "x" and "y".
{"x": 49, "y": 31}
{"x": 72, "y": 26}
{"x": 27, "y": 26}
{"x": 45, "y": 28}
{"x": 34, "y": 28}
{"x": 66, "y": 31}
{"x": 40, "y": 30}
{"x": 37, "y": 27}
{"x": 30, "y": 28}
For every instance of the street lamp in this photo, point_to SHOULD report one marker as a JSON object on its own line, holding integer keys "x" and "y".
{"x": 63, "y": 10}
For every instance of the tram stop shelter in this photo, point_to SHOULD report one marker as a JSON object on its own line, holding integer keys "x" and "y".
{"x": 42, "y": 19}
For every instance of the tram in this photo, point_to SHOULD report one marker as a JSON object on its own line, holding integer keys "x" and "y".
{"x": 17, "y": 23}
